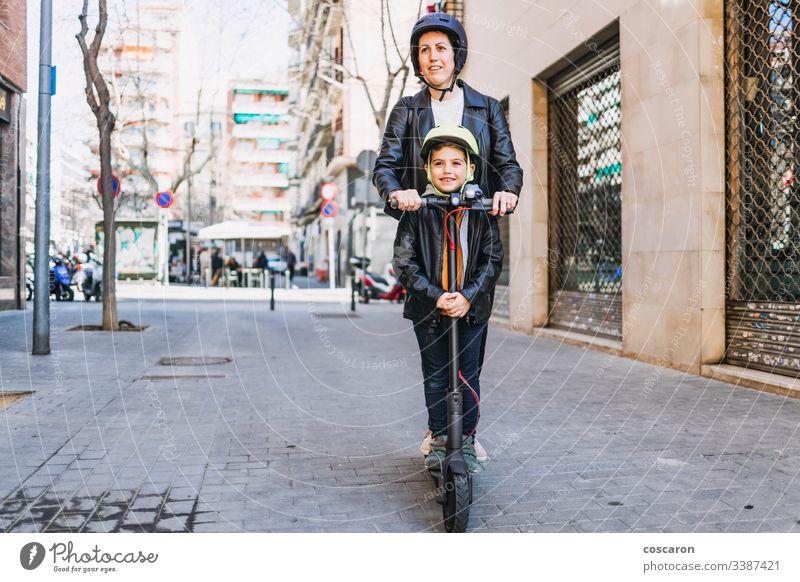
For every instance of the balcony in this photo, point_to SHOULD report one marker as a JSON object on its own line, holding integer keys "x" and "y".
{"x": 335, "y": 160}
{"x": 262, "y": 156}
{"x": 248, "y": 131}
{"x": 253, "y": 118}
{"x": 264, "y": 204}
{"x": 257, "y": 180}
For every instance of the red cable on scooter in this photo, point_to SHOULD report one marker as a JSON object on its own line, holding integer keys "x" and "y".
{"x": 460, "y": 375}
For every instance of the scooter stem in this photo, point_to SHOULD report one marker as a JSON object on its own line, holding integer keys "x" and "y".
{"x": 455, "y": 412}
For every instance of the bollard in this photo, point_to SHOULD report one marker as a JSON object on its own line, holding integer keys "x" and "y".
{"x": 353, "y": 291}
{"x": 286, "y": 279}
{"x": 271, "y": 290}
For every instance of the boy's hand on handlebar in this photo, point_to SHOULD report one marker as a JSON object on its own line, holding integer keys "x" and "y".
{"x": 453, "y": 305}
{"x": 406, "y": 199}
{"x": 503, "y": 202}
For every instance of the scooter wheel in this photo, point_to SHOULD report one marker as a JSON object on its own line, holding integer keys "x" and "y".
{"x": 456, "y": 504}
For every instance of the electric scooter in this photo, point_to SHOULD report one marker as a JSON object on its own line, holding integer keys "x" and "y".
{"x": 454, "y": 481}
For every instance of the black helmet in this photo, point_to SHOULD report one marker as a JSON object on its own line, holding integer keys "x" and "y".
{"x": 447, "y": 24}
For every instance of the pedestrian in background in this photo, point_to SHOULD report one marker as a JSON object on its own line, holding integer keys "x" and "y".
{"x": 216, "y": 267}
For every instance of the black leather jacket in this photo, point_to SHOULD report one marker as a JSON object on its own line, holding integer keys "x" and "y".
{"x": 418, "y": 254}
{"x": 400, "y": 167}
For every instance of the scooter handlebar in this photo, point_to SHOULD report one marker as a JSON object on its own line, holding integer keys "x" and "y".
{"x": 447, "y": 203}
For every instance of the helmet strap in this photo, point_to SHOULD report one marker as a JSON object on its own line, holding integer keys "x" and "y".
{"x": 443, "y": 91}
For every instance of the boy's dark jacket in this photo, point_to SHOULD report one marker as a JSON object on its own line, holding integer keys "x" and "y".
{"x": 418, "y": 254}
{"x": 399, "y": 165}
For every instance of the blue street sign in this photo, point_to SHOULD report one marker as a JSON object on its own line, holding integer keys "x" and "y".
{"x": 165, "y": 199}
{"x": 329, "y": 209}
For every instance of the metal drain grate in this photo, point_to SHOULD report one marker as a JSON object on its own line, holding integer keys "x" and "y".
{"x": 9, "y": 398}
{"x": 173, "y": 377}
{"x": 195, "y": 361}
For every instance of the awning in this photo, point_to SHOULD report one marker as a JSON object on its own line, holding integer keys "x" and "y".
{"x": 242, "y": 229}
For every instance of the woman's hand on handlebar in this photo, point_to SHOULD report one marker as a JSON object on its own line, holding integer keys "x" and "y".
{"x": 405, "y": 199}
{"x": 453, "y": 305}
{"x": 503, "y": 202}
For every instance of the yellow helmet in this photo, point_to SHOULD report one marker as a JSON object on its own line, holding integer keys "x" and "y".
{"x": 450, "y": 133}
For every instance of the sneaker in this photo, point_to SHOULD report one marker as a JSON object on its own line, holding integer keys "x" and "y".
{"x": 480, "y": 452}
{"x": 425, "y": 447}
{"x": 434, "y": 460}
{"x": 468, "y": 449}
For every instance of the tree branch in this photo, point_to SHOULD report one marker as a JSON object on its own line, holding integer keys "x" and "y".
{"x": 391, "y": 30}
{"x": 87, "y": 64}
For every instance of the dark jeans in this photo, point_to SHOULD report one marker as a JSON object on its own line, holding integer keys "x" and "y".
{"x": 433, "y": 347}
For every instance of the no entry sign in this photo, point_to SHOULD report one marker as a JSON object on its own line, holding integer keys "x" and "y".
{"x": 165, "y": 199}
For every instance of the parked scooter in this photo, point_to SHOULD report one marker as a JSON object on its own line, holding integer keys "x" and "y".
{"x": 370, "y": 285}
{"x": 60, "y": 280}
{"x": 88, "y": 278}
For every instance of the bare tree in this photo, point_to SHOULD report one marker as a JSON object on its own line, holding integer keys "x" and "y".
{"x": 142, "y": 166}
{"x": 380, "y": 107}
{"x": 144, "y": 92}
{"x": 98, "y": 98}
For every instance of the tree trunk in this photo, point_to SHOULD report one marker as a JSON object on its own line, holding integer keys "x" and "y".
{"x": 110, "y": 320}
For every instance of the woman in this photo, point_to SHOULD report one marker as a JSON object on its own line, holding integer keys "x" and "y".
{"x": 438, "y": 54}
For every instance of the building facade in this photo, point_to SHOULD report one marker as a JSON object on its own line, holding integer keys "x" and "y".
{"x": 259, "y": 155}
{"x": 143, "y": 64}
{"x": 338, "y": 55}
{"x": 659, "y": 213}
{"x": 13, "y": 83}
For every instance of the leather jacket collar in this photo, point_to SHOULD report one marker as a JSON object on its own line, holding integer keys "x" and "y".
{"x": 473, "y": 120}
{"x": 472, "y": 98}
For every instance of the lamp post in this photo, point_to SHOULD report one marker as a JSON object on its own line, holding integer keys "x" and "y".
{"x": 41, "y": 264}
{"x": 188, "y": 130}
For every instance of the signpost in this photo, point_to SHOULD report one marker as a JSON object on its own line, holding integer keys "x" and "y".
{"x": 165, "y": 199}
{"x": 114, "y": 182}
{"x": 328, "y": 191}
{"x": 327, "y": 211}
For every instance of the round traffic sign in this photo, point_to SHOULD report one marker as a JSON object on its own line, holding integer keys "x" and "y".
{"x": 328, "y": 191}
{"x": 329, "y": 209}
{"x": 114, "y": 181}
{"x": 165, "y": 199}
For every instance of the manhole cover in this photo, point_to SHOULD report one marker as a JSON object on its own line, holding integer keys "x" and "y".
{"x": 173, "y": 377}
{"x": 9, "y": 398}
{"x": 195, "y": 361}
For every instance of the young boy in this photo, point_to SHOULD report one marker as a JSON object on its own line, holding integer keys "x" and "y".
{"x": 420, "y": 260}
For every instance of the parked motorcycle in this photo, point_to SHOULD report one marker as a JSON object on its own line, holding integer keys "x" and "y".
{"x": 370, "y": 285}
{"x": 60, "y": 280}
{"x": 88, "y": 277}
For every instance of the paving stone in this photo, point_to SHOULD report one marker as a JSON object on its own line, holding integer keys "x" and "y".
{"x": 262, "y": 443}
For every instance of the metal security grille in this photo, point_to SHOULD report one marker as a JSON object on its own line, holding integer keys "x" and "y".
{"x": 585, "y": 174}
{"x": 763, "y": 286}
